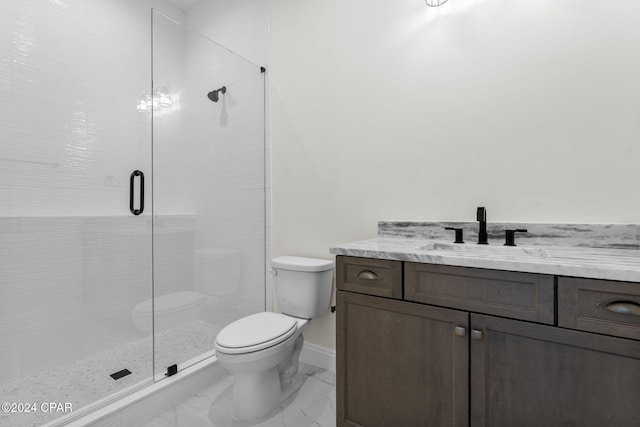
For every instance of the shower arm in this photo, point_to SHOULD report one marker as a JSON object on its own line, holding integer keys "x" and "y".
{"x": 213, "y": 95}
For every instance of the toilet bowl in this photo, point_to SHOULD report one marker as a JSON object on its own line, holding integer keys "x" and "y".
{"x": 261, "y": 351}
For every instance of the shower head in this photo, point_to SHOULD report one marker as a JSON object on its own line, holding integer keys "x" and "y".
{"x": 213, "y": 95}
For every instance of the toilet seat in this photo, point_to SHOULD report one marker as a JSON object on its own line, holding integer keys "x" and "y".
{"x": 255, "y": 332}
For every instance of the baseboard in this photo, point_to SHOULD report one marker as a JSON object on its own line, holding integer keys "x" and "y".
{"x": 319, "y": 356}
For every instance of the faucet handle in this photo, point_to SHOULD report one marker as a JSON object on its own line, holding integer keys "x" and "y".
{"x": 510, "y": 236}
{"x": 458, "y": 234}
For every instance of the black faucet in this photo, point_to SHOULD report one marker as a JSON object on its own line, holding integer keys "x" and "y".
{"x": 510, "y": 236}
{"x": 482, "y": 232}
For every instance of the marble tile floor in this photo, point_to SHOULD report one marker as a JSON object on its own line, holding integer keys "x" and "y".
{"x": 313, "y": 405}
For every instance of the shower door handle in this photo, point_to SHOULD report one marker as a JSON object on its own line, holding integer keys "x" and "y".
{"x": 131, "y": 192}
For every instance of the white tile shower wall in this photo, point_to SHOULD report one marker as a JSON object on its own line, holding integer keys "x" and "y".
{"x": 73, "y": 156}
{"x": 172, "y": 149}
{"x": 71, "y": 75}
{"x": 209, "y": 162}
{"x": 229, "y": 153}
{"x": 167, "y": 8}
{"x": 69, "y": 285}
{"x": 242, "y": 27}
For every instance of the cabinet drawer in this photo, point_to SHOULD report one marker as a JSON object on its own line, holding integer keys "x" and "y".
{"x": 601, "y": 306}
{"x": 378, "y": 277}
{"x": 524, "y": 296}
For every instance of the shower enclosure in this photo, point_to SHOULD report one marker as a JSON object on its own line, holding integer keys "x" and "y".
{"x": 132, "y": 206}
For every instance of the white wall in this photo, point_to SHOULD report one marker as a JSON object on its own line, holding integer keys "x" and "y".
{"x": 240, "y": 26}
{"x": 395, "y": 111}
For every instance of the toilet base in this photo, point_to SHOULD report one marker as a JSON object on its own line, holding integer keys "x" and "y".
{"x": 294, "y": 386}
{"x": 249, "y": 404}
{"x": 255, "y": 396}
{"x": 220, "y": 412}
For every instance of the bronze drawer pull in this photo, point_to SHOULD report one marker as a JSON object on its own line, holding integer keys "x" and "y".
{"x": 368, "y": 275}
{"x": 620, "y": 307}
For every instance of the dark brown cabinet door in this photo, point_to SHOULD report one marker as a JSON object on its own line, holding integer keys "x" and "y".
{"x": 400, "y": 363}
{"x": 523, "y": 374}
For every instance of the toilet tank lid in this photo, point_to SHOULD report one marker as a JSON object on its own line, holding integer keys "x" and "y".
{"x": 297, "y": 263}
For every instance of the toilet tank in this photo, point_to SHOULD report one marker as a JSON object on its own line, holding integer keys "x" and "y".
{"x": 303, "y": 285}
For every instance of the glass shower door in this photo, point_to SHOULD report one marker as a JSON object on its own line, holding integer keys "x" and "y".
{"x": 74, "y": 261}
{"x": 209, "y": 192}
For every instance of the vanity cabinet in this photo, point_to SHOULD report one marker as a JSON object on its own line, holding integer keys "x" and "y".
{"x": 474, "y": 347}
{"x": 516, "y": 295}
{"x": 601, "y": 306}
{"x": 400, "y": 364}
{"x": 379, "y": 277}
{"x": 530, "y": 375}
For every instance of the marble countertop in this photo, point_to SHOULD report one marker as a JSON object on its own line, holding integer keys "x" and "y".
{"x": 592, "y": 262}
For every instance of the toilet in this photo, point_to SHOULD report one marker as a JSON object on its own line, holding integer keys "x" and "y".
{"x": 261, "y": 351}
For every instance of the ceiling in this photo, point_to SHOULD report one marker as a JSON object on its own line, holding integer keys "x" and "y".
{"x": 183, "y": 4}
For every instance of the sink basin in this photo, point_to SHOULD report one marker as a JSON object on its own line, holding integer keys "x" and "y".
{"x": 483, "y": 250}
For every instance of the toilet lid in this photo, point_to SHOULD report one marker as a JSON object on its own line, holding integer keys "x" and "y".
{"x": 255, "y": 332}
{"x": 169, "y": 302}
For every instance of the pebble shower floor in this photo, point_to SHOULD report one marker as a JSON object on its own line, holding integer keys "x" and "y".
{"x": 88, "y": 380}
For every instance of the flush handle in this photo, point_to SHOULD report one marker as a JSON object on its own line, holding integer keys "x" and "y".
{"x": 369, "y": 275}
